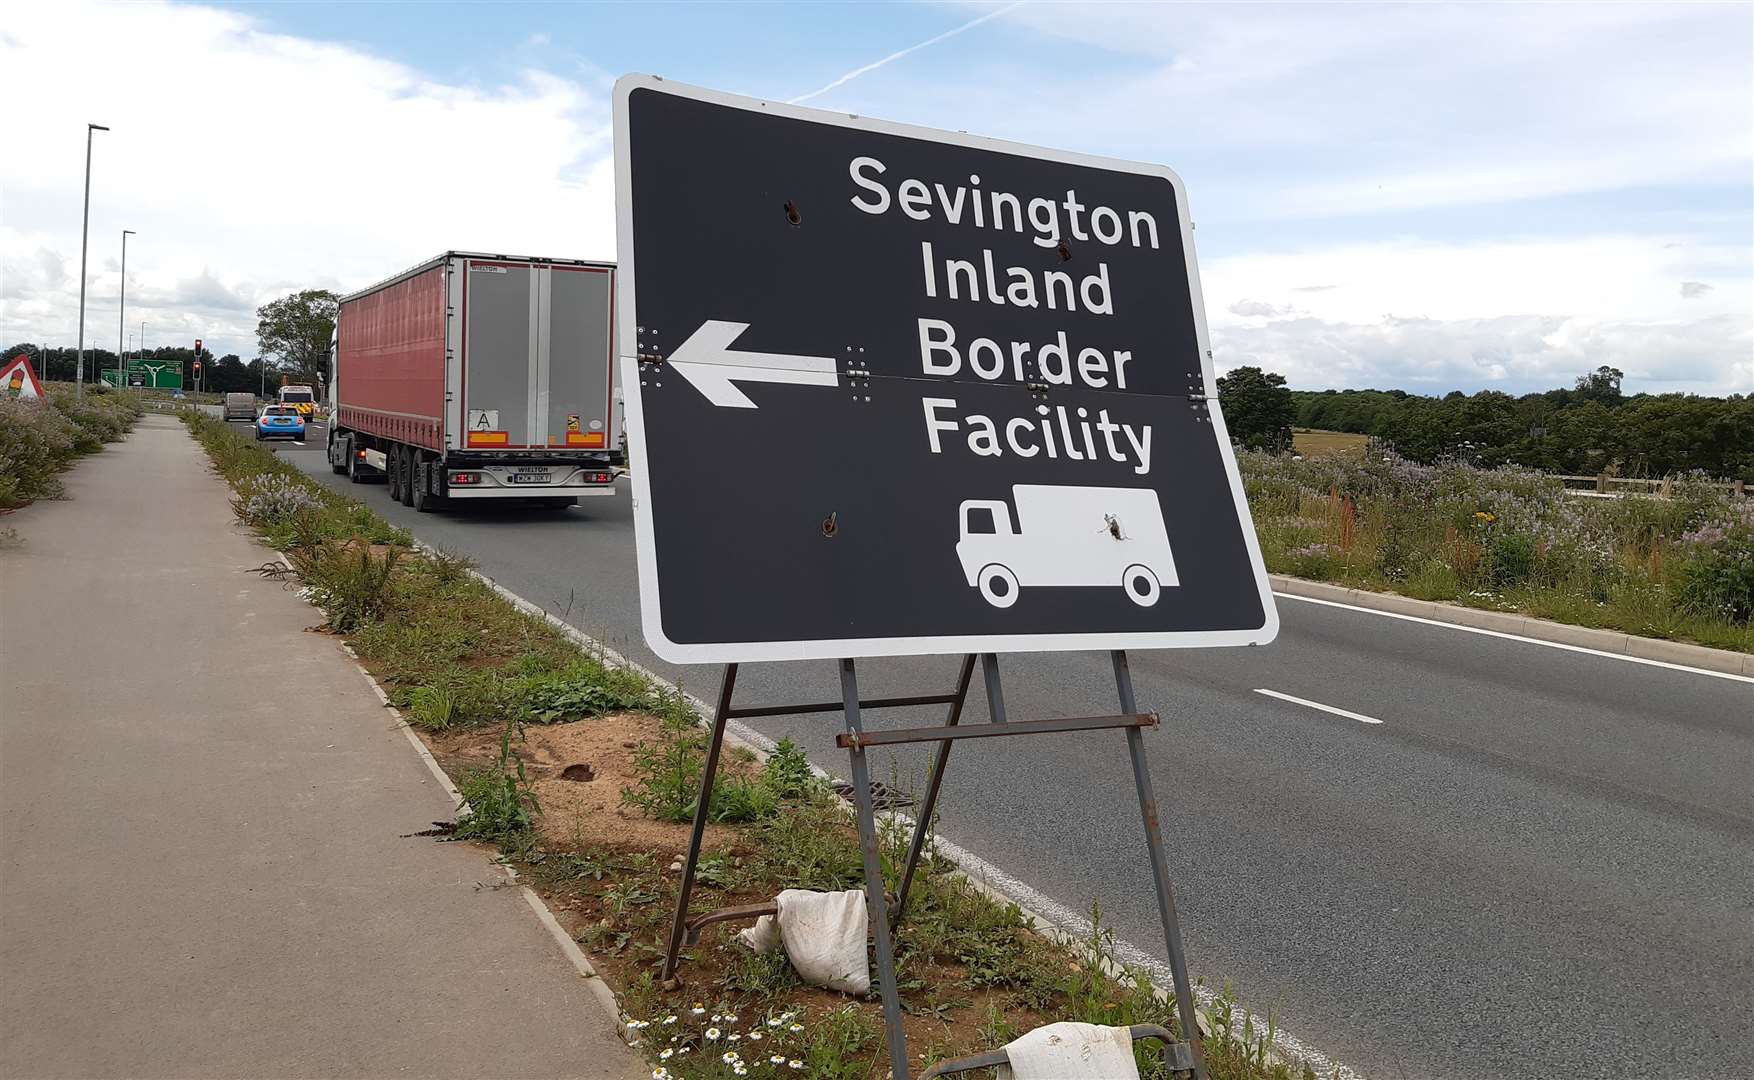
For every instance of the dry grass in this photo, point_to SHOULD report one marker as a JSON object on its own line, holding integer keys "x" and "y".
{"x": 1313, "y": 443}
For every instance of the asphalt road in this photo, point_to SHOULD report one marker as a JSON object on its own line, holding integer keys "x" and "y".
{"x": 1539, "y": 864}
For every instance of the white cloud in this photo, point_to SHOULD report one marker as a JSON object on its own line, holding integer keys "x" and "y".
{"x": 276, "y": 163}
{"x": 1257, "y": 309}
{"x": 1693, "y": 290}
{"x": 1514, "y": 353}
{"x": 1519, "y": 315}
{"x": 1291, "y": 111}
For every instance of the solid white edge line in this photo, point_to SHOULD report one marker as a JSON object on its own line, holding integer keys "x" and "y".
{"x": 1519, "y": 637}
{"x": 1360, "y": 717}
{"x": 1049, "y": 916}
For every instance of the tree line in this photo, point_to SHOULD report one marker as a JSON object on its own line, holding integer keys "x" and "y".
{"x": 221, "y": 374}
{"x": 1587, "y": 428}
{"x": 292, "y": 334}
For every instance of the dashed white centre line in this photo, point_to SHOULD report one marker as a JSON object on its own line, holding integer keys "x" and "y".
{"x": 1360, "y": 717}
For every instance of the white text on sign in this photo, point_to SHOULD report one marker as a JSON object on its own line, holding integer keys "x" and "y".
{"x": 1058, "y": 432}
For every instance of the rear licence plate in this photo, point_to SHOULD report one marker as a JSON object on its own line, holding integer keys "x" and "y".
{"x": 530, "y": 476}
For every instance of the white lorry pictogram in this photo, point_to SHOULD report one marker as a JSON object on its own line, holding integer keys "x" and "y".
{"x": 1066, "y": 536}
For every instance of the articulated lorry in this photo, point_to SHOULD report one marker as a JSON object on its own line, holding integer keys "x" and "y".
{"x": 478, "y": 377}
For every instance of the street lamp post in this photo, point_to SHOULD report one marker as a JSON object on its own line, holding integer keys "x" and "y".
{"x": 122, "y": 316}
{"x": 84, "y": 234}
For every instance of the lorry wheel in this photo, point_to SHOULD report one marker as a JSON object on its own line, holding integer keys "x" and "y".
{"x": 355, "y": 467}
{"x": 405, "y": 475}
{"x": 339, "y": 468}
{"x": 1141, "y": 585}
{"x": 424, "y": 502}
{"x": 998, "y": 585}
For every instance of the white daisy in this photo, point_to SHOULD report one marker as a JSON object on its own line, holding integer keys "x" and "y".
{"x": 712, "y": 1034}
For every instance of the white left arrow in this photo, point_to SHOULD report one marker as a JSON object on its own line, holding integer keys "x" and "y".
{"x": 707, "y": 361}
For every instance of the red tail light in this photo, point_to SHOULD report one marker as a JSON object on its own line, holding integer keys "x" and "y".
{"x": 465, "y": 478}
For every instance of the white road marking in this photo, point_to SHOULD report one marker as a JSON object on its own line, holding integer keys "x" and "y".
{"x": 1360, "y": 717}
{"x": 1526, "y": 640}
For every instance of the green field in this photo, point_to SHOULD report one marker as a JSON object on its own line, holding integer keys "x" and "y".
{"x": 1311, "y": 442}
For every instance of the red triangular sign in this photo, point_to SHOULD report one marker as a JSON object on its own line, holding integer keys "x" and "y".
{"x": 19, "y": 379}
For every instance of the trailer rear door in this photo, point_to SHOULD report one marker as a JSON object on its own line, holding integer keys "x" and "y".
{"x": 536, "y": 345}
{"x": 578, "y": 410}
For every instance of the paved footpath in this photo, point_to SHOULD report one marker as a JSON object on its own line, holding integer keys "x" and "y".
{"x": 202, "y": 864}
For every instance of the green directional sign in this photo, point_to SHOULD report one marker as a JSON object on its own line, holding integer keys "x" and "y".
{"x": 155, "y": 374}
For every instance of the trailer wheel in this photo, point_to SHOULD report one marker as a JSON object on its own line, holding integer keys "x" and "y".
{"x": 405, "y": 475}
{"x": 1141, "y": 585}
{"x": 425, "y": 502}
{"x": 998, "y": 585}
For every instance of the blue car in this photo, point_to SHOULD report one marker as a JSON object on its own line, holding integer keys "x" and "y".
{"x": 280, "y": 422}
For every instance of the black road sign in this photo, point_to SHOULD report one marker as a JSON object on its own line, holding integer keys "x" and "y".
{"x": 892, "y": 390}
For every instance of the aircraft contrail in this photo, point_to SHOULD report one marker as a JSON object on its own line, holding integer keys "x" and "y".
{"x": 952, "y": 32}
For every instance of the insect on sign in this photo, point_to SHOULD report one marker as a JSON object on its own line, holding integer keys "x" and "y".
{"x": 892, "y": 390}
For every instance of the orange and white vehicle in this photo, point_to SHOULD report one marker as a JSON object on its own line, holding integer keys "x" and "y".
{"x": 478, "y": 377}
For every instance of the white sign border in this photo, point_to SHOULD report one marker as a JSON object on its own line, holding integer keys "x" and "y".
{"x": 627, "y": 345}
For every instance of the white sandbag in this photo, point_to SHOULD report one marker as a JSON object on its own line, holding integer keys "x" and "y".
{"x": 764, "y": 936}
{"x": 1068, "y": 1051}
{"x": 824, "y": 936}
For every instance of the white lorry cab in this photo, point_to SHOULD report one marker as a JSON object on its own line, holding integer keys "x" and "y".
{"x": 1066, "y": 536}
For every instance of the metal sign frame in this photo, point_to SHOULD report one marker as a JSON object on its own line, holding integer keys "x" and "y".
{"x": 884, "y": 914}
{"x": 628, "y": 350}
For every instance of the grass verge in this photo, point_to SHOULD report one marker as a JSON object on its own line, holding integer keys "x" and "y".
{"x": 584, "y": 774}
{"x": 1678, "y": 567}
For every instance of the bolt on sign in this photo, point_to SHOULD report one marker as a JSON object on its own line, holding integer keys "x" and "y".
{"x": 893, "y": 390}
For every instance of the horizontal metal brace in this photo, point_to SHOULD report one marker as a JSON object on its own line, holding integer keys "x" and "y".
{"x": 746, "y": 912}
{"x": 837, "y": 706}
{"x": 993, "y": 731}
{"x": 726, "y": 914}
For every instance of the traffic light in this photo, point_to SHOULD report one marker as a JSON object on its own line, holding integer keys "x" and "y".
{"x": 197, "y": 346}
{"x": 197, "y": 369}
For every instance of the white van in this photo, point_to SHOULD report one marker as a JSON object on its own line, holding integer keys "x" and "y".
{"x": 1065, "y": 536}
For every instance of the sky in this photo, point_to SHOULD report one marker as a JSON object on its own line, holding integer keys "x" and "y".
{"x": 1426, "y": 197}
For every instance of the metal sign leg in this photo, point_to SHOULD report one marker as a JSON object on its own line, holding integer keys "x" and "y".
{"x": 1172, "y": 933}
{"x": 874, "y": 904}
{"x": 703, "y": 806}
{"x": 923, "y": 822}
